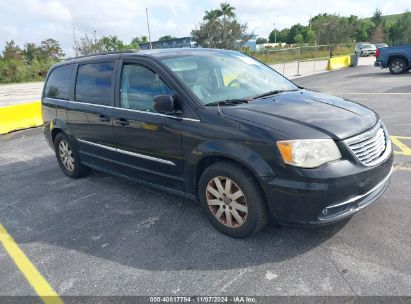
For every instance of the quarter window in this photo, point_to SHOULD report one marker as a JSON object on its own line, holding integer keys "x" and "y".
{"x": 58, "y": 83}
{"x": 94, "y": 83}
{"x": 138, "y": 87}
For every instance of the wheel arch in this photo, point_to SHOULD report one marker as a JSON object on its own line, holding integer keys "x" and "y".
{"x": 209, "y": 153}
{"x": 54, "y": 133}
{"x": 57, "y": 126}
{"x": 399, "y": 56}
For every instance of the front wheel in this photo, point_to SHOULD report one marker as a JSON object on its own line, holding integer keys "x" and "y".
{"x": 397, "y": 66}
{"x": 232, "y": 200}
{"x": 67, "y": 157}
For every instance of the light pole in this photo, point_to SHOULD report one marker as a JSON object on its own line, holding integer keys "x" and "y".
{"x": 275, "y": 34}
{"x": 148, "y": 28}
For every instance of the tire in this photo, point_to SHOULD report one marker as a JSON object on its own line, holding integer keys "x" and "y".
{"x": 397, "y": 66}
{"x": 247, "y": 213}
{"x": 68, "y": 158}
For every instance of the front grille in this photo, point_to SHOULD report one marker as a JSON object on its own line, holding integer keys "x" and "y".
{"x": 370, "y": 147}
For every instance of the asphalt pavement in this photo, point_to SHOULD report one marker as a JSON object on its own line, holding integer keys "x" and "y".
{"x": 102, "y": 235}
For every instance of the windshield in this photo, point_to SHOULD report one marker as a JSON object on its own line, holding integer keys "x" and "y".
{"x": 227, "y": 75}
{"x": 367, "y": 46}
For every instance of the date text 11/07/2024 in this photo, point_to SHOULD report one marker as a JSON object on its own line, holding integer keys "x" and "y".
{"x": 203, "y": 299}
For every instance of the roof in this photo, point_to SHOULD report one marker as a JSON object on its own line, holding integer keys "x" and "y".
{"x": 155, "y": 53}
{"x": 150, "y": 53}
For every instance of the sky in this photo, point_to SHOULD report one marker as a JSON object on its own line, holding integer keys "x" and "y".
{"x": 36, "y": 20}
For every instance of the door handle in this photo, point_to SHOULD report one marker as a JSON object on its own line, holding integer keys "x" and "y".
{"x": 123, "y": 122}
{"x": 103, "y": 118}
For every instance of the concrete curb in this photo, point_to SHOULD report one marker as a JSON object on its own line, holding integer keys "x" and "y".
{"x": 339, "y": 62}
{"x": 20, "y": 116}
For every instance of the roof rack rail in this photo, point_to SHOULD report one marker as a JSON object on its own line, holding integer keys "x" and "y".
{"x": 105, "y": 53}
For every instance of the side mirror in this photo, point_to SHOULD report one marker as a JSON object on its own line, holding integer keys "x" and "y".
{"x": 164, "y": 104}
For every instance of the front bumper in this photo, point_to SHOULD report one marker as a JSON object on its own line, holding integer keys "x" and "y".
{"x": 328, "y": 194}
{"x": 341, "y": 210}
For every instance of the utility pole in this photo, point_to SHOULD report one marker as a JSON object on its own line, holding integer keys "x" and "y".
{"x": 275, "y": 34}
{"x": 309, "y": 22}
{"x": 148, "y": 28}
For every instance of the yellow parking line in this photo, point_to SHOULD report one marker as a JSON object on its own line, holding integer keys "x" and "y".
{"x": 404, "y": 149}
{"x": 33, "y": 276}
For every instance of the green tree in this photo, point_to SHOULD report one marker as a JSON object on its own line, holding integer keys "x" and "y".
{"x": 212, "y": 14}
{"x": 214, "y": 34}
{"x": 378, "y": 19}
{"x": 220, "y": 29}
{"x": 299, "y": 38}
{"x": 32, "y": 52}
{"x": 50, "y": 49}
{"x": 378, "y": 35}
{"x": 310, "y": 37}
{"x": 167, "y": 37}
{"x": 87, "y": 45}
{"x": 273, "y": 36}
{"x": 294, "y": 31}
{"x": 29, "y": 64}
{"x": 281, "y": 35}
{"x": 331, "y": 29}
{"x": 361, "y": 28}
{"x": 227, "y": 10}
{"x": 400, "y": 32}
{"x": 377, "y": 31}
{"x": 111, "y": 44}
{"x": 12, "y": 51}
{"x": 261, "y": 40}
{"x": 136, "y": 41}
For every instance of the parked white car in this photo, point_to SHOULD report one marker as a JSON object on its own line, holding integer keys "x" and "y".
{"x": 365, "y": 49}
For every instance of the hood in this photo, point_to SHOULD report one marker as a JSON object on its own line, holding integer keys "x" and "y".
{"x": 334, "y": 116}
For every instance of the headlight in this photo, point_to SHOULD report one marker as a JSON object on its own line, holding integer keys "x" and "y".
{"x": 308, "y": 153}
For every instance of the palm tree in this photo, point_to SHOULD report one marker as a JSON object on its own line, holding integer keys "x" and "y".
{"x": 227, "y": 10}
{"x": 212, "y": 15}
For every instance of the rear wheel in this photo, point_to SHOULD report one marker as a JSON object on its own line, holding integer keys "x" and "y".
{"x": 397, "y": 66}
{"x": 67, "y": 157}
{"x": 232, "y": 200}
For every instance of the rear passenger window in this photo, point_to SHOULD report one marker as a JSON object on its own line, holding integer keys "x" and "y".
{"x": 138, "y": 87}
{"x": 94, "y": 83}
{"x": 58, "y": 83}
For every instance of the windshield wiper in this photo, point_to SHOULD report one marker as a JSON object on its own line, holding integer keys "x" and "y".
{"x": 227, "y": 102}
{"x": 270, "y": 93}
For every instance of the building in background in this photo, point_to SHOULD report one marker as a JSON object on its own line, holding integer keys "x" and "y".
{"x": 250, "y": 45}
{"x": 184, "y": 42}
{"x": 271, "y": 45}
{"x": 169, "y": 43}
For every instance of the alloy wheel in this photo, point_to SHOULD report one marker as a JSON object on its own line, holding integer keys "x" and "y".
{"x": 397, "y": 66}
{"x": 226, "y": 201}
{"x": 66, "y": 155}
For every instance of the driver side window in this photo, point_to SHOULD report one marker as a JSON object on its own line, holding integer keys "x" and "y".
{"x": 138, "y": 87}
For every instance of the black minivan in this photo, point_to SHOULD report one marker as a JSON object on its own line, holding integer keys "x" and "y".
{"x": 219, "y": 127}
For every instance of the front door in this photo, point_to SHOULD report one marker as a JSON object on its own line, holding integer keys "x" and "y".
{"x": 148, "y": 143}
